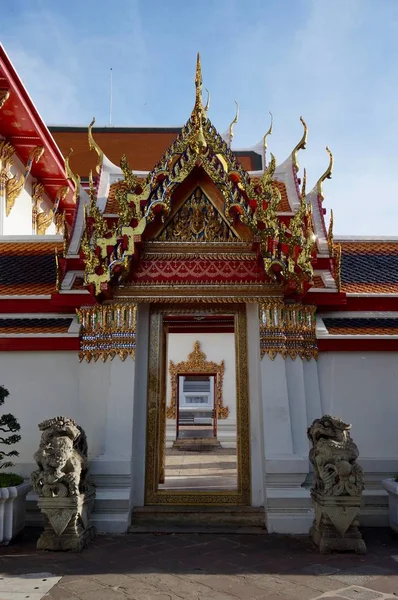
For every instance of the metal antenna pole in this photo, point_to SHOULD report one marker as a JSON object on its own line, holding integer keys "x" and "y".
{"x": 110, "y": 99}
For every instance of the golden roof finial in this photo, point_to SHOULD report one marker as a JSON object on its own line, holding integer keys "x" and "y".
{"x": 304, "y": 184}
{"x": 207, "y": 101}
{"x": 327, "y": 174}
{"x": 70, "y": 174}
{"x": 300, "y": 145}
{"x": 198, "y": 140}
{"x": 198, "y": 108}
{"x": 265, "y": 141}
{"x": 94, "y": 146}
{"x": 235, "y": 120}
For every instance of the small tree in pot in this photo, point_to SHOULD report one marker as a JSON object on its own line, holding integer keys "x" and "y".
{"x": 13, "y": 489}
{"x": 8, "y": 425}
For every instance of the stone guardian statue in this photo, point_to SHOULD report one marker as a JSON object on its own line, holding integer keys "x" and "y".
{"x": 337, "y": 487}
{"x": 66, "y": 494}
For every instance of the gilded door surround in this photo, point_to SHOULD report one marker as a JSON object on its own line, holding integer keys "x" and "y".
{"x": 155, "y": 412}
{"x": 197, "y": 364}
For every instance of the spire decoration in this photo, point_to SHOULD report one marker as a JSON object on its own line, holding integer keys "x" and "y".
{"x": 207, "y": 101}
{"x": 70, "y": 175}
{"x": 327, "y": 175}
{"x": 235, "y": 120}
{"x": 94, "y": 146}
{"x": 265, "y": 140}
{"x": 300, "y": 146}
{"x": 198, "y": 140}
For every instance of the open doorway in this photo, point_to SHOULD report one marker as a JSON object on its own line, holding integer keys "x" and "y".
{"x": 198, "y": 442}
{"x": 201, "y": 430}
{"x": 196, "y": 417}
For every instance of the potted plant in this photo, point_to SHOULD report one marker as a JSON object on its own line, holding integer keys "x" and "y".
{"x": 13, "y": 488}
{"x": 391, "y": 486}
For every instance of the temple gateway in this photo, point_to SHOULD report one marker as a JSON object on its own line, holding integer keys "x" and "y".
{"x": 193, "y": 312}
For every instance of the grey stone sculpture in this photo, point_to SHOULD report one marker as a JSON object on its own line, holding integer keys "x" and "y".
{"x": 337, "y": 487}
{"x": 66, "y": 494}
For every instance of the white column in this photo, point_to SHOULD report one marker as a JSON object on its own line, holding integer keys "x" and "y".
{"x": 255, "y": 406}
{"x": 285, "y": 428}
{"x": 140, "y": 409}
{"x": 277, "y": 425}
{"x": 92, "y": 403}
{"x": 120, "y": 410}
{"x": 312, "y": 391}
{"x": 298, "y": 405}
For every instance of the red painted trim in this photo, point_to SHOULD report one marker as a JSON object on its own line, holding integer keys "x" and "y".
{"x": 39, "y": 344}
{"x": 37, "y": 121}
{"x": 55, "y": 178}
{"x": 26, "y": 306}
{"x": 58, "y": 303}
{"x": 367, "y": 303}
{"x": 71, "y": 301}
{"x": 327, "y": 299}
{"x": 323, "y": 264}
{"x": 360, "y": 345}
{"x": 177, "y": 329}
{"x": 74, "y": 264}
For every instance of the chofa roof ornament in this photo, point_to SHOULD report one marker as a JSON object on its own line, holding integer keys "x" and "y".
{"x": 301, "y": 145}
{"x": 327, "y": 175}
{"x": 94, "y": 146}
{"x": 265, "y": 138}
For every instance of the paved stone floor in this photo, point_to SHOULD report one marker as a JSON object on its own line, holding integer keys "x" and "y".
{"x": 200, "y": 470}
{"x": 201, "y": 567}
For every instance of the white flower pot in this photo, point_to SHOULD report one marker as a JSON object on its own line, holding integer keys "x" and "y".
{"x": 12, "y": 510}
{"x": 391, "y": 487}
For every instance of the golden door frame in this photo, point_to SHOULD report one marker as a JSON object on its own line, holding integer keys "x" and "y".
{"x": 156, "y": 413}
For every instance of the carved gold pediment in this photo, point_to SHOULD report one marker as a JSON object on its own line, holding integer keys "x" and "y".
{"x": 197, "y": 220}
{"x": 197, "y": 364}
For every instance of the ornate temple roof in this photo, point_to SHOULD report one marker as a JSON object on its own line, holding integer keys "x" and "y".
{"x": 24, "y": 130}
{"x": 143, "y": 146}
{"x": 369, "y": 266}
{"x": 257, "y": 212}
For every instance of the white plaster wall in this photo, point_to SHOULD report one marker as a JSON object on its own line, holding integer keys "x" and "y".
{"x": 217, "y": 347}
{"x": 362, "y": 389}
{"x": 48, "y": 384}
{"x": 41, "y": 385}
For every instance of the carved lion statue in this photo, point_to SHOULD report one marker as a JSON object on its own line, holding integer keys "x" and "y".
{"x": 62, "y": 459}
{"x": 333, "y": 456}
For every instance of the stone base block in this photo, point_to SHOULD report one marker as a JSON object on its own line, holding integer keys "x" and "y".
{"x": 12, "y": 511}
{"x": 328, "y": 540}
{"x": 335, "y": 528}
{"x": 67, "y": 522}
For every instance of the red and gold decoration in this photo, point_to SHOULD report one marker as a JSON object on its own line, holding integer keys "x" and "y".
{"x": 246, "y": 211}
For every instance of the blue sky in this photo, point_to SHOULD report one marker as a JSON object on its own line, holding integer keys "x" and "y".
{"x": 333, "y": 61}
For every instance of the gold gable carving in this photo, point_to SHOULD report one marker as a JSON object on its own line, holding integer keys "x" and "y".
{"x": 197, "y": 221}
